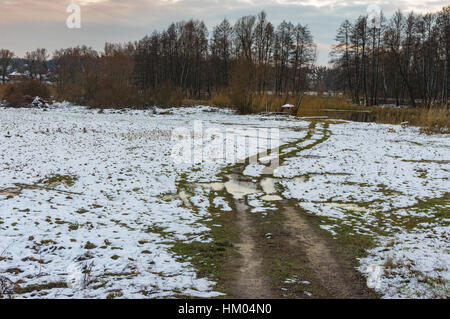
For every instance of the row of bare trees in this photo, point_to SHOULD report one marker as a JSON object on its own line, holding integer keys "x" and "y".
{"x": 404, "y": 59}
{"x": 252, "y": 56}
{"x": 187, "y": 60}
{"x": 277, "y": 58}
{"x": 105, "y": 79}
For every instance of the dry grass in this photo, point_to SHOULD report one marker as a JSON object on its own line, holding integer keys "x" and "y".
{"x": 310, "y": 105}
{"x": 256, "y": 103}
{"x": 436, "y": 120}
{"x": 432, "y": 120}
{"x": 220, "y": 99}
{"x": 194, "y": 102}
{"x": 317, "y": 105}
{"x": 2, "y": 90}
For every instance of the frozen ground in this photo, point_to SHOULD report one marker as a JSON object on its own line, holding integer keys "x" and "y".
{"x": 95, "y": 198}
{"x": 389, "y": 184}
{"x": 86, "y": 191}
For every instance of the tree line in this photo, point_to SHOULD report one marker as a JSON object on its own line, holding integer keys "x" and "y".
{"x": 403, "y": 59}
{"x": 275, "y": 58}
{"x": 184, "y": 60}
{"x": 400, "y": 60}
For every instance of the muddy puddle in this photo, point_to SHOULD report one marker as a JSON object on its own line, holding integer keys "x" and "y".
{"x": 239, "y": 189}
{"x": 235, "y": 186}
{"x": 269, "y": 187}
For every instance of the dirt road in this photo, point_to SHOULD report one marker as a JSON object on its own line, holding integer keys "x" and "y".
{"x": 285, "y": 256}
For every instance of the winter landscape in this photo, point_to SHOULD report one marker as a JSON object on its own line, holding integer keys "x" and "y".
{"x": 101, "y": 192}
{"x": 224, "y": 150}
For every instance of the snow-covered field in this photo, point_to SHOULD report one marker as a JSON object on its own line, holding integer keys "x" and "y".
{"x": 116, "y": 219}
{"x": 391, "y": 184}
{"x": 89, "y": 197}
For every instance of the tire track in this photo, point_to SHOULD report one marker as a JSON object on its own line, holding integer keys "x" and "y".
{"x": 334, "y": 275}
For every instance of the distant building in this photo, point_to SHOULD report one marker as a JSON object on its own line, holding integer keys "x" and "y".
{"x": 287, "y": 107}
{"x": 16, "y": 76}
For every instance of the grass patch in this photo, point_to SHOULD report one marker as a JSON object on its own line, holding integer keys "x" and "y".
{"x": 89, "y": 245}
{"x": 56, "y": 180}
{"x": 215, "y": 259}
{"x": 38, "y": 288}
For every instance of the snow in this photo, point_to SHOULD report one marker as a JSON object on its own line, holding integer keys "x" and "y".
{"x": 221, "y": 203}
{"x": 253, "y": 170}
{"x": 420, "y": 262}
{"x": 116, "y": 215}
{"x": 376, "y": 179}
{"x": 125, "y": 211}
{"x": 15, "y": 73}
{"x": 366, "y": 163}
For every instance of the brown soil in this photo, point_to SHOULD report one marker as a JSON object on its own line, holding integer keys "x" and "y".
{"x": 249, "y": 282}
{"x": 333, "y": 273}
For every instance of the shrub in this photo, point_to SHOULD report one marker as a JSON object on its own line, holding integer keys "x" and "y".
{"x": 242, "y": 85}
{"x": 2, "y": 90}
{"x": 36, "y": 88}
{"x": 14, "y": 93}
{"x": 15, "y": 99}
{"x": 434, "y": 120}
{"x": 221, "y": 99}
{"x": 164, "y": 95}
{"x": 113, "y": 96}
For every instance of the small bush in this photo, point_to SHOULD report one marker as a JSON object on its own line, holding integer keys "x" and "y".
{"x": 15, "y": 99}
{"x": 2, "y": 90}
{"x": 110, "y": 96}
{"x": 435, "y": 120}
{"x": 221, "y": 99}
{"x": 165, "y": 95}
{"x": 14, "y": 93}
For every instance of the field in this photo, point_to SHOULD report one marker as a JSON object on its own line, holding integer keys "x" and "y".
{"x": 97, "y": 205}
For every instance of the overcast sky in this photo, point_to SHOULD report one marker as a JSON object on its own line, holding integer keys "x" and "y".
{"x": 28, "y": 24}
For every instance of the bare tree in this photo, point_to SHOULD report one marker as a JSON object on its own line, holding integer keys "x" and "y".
{"x": 245, "y": 36}
{"x": 342, "y": 54}
{"x": 405, "y": 60}
{"x": 6, "y": 57}
{"x": 36, "y": 63}
{"x": 221, "y": 51}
